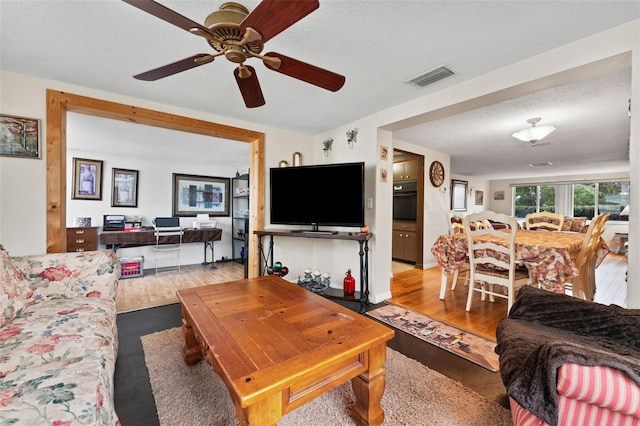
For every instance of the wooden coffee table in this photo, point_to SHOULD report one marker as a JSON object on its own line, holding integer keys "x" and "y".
{"x": 277, "y": 346}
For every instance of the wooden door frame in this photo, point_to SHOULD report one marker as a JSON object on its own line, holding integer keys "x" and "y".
{"x": 59, "y": 103}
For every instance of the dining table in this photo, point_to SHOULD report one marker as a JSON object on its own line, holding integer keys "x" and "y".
{"x": 550, "y": 256}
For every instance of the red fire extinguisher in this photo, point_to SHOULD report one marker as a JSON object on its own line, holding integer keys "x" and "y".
{"x": 349, "y": 284}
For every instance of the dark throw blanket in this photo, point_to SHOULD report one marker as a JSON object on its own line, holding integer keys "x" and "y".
{"x": 545, "y": 330}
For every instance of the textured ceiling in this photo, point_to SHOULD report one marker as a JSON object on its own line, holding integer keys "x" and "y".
{"x": 377, "y": 45}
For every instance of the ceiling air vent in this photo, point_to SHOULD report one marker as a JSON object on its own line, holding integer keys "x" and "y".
{"x": 546, "y": 164}
{"x": 429, "y": 77}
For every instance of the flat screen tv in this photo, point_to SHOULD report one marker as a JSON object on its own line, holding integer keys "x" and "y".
{"x": 321, "y": 195}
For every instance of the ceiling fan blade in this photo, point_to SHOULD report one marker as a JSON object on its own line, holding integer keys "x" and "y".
{"x": 306, "y": 72}
{"x": 249, "y": 86}
{"x": 271, "y": 17}
{"x": 176, "y": 67}
{"x": 166, "y": 14}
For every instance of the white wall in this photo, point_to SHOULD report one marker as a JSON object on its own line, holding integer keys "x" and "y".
{"x": 22, "y": 224}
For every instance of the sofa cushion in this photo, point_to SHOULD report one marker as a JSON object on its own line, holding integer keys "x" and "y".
{"x": 14, "y": 289}
{"x": 57, "y": 363}
{"x": 600, "y": 386}
{"x": 574, "y": 224}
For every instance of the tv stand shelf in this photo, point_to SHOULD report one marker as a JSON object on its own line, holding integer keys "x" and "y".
{"x": 266, "y": 258}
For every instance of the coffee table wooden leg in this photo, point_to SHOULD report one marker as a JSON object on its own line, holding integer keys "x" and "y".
{"x": 368, "y": 388}
{"x": 265, "y": 412}
{"x": 191, "y": 350}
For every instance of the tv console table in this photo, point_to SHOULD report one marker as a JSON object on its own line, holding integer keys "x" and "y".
{"x": 266, "y": 258}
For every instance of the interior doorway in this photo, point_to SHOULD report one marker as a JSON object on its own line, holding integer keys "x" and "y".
{"x": 58, "y": 103}
{"x": 408, "y": 211}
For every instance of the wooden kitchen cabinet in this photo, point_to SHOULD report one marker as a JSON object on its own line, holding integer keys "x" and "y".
{"x": 404, "y": 241}
{"x": 82, "y": 239}
{"x": 406, "y": 170}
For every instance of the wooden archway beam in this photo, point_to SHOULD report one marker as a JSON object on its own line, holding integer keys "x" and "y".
{"x": 58, "y": 103}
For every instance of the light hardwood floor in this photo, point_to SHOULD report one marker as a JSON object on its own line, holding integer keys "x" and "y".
{"x": 412, "y": 288}
{"x": 419, "y": 290}
{"x": 153, "y": 290}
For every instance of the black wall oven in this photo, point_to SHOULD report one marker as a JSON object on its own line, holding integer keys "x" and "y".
{"x": 405, "y": 200}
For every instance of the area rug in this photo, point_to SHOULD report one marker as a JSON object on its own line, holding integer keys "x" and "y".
{"x": 414, "y": 394}
{"x": 464, "y": 344}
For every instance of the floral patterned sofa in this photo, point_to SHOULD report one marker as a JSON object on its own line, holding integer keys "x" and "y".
{"x": 58, "y": 338}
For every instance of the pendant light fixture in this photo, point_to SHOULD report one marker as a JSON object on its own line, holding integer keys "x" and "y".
{"x": 533, "y": 133}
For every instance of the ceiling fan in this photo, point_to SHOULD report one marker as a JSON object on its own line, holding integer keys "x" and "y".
{"x": 239, "y": 35}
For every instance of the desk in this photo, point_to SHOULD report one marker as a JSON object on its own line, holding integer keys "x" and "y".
{"x": 549, "y": 255}
{"x": 146, "y": 237}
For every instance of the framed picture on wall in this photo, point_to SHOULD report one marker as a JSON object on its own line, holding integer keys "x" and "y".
{"x": 498, "y": 195}
{"x": 479, "y": 198}
{"x": 194, "y": 195}
{"x": 124, "y": 188}
{"x": 87, "y": 179}
{"x": 20, "y": 136}
{"x": 459, "y": 195}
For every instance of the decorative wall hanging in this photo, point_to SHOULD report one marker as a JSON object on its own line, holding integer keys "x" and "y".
{"x": 327, "y": 146}
{"x": 384, "y": 153}
{"x": 498, "y": 195}
{"x": 124, "y": 188}
{"x": 479, "y": 198}
{"x": 193, "y": 195}
{"x": 352, "y": 137}
{"x": 297, "y": 159}
{"x": 87, "y": 179}
{"x": 384, "y": 173}
{"x": 436, "y": 174}
{"x": 20, "y": 136}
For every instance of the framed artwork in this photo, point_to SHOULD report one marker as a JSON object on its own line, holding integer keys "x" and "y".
{"x": 19, "y": 137}
{"x": 384, "y": 173}
{"x": 479, "y": 198}
{"x": 384, "y": 153}
{"x": 124, "y": 188}
{"x": 193, "y": 195}
{"x": 498, "y": 195}
{"x": 87, "y": 179}
{"x": 459, "y": 195}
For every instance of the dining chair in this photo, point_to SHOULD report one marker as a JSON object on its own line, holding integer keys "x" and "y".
{"x": 167, "y": 227}
{"x": 456, "y": 226}
{"x": 492, "y": 258}
{"x": 584, "y": 285}
{"x": 546, "y": 221}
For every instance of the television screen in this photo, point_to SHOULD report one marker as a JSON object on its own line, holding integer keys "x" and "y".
{"x": 322, "y": 195}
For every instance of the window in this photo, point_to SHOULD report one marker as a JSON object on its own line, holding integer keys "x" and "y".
{"x": 612, "y": 198}
{"x": 584, "y": 199}
{"x": 533, "y": 199}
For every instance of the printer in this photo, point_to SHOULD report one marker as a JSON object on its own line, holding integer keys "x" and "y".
{"x": 113, "y": 222}
{"x": 203, "y": 222}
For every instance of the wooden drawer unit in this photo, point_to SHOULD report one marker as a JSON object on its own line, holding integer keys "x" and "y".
{"x": 404, "y": 241}
{"x": 82, "y": 239}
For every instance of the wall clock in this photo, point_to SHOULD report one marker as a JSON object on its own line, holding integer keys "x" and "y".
{"x": 436, "y": 173}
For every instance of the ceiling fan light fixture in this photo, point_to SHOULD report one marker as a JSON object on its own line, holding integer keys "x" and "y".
{"x": 533, "y": 133}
